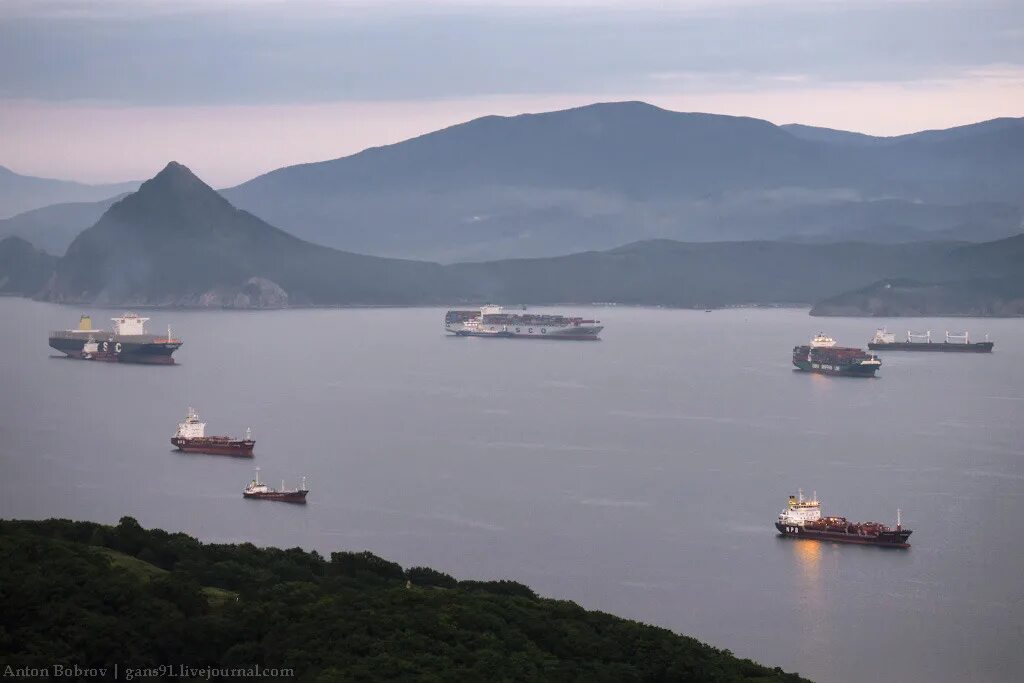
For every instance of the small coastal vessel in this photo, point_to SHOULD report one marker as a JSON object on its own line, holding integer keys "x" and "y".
{"x": 191, "y": 438}
{"x": 257, "y": 489}
{"x": 823, "y": 356}
{"x": 492, "y": 321}
{"x": 802, "y": 519}
{"x": 127, "y": 343}
{"x": 886, "y": 341}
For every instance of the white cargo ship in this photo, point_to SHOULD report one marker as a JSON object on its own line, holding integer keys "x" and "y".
{"x": 493, "y": 321}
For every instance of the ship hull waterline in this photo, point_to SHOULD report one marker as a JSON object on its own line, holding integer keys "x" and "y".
{"x": 150, "y": 353}
{"x": 836, "y": 370}
{"x": 295, "y": 497}
{"x": 581, "y": 334}
{"x": 976, "y": 347}
{"x": 895, "y": 539}
{"x": 238, "y": 449}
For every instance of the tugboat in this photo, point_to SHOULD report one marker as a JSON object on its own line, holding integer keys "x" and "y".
{"x": 886, "y": 341}
{"x": 823, "y": 356}
{"x": 802, "y": 519}
{"x": 255, "y": 489}
{"x": 191, "y": 438}
{"x": 127, "y": 343}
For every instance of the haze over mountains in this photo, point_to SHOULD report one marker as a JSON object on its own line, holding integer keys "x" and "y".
{"x": 177, "y": 242}
{"x": 20, "y": 193}
{"x": 603, "y": 175}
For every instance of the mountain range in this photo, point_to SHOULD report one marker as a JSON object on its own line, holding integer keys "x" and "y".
{"x": 177, "y": 242}
{"x": 20, "y": 193}
{"x": 599, "y": 176}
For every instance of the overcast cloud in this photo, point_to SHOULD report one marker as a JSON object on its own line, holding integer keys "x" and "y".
{"x": 257, "y": 54}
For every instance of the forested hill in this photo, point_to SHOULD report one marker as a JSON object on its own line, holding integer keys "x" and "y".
{"x": 87, "y": 594}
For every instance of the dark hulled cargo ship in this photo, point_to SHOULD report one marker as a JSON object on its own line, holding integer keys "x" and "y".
{"x": 493, "y": 321}
{"x": 823, "y": 356}
{"x": 261, "y": 491}
{"x": 802, "y": 519}
{"x": 191, "y": 438}
{"x": 127, "y": 343}
{"x": 956, "y": 343}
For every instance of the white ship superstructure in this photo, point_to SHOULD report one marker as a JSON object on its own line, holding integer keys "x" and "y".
{"x": 799, "y": 511}
{"x": 493, "y": 321}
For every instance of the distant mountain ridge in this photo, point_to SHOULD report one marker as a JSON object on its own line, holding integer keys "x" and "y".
{"x": 20, "y": 193}
{"x": 24, "y": 269}
{"x": 54, "y": 227}
{"x": 176, "y": 242}
{"x": 602, "y": 175}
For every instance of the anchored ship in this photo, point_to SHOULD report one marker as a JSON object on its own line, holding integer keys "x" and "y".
{"x": 255, "y": 489}
{"x": 802, "y": 519}
{"x": 886, "y": 341}
{"x": 822, "y": 355}
{"x": 191, "y": 438}
{"x": 127, "y": 343}
{"x": 492, "y": 321}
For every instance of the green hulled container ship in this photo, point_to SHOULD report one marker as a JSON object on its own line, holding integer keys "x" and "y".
{"x": 824, "y": 357}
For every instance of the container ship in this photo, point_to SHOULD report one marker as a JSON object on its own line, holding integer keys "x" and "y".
{"x": 823, "y": 356}
{"x": 886, "y": 341}
{"x": 127, "y": 343}
{"x": 191, "y": 438}
{"x": 802, "y": 519}
{"x": 261, "y": 491}
{"x": 493, "y": 321}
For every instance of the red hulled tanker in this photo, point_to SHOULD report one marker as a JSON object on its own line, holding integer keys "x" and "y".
{"x": 802, "y": 519}
{"x": 191, "y": 438}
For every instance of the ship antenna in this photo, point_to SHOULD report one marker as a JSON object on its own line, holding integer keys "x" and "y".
{"x": 899, "y": 520}
{"x": 303, "y": 483}
{"x": 800, "y": 495}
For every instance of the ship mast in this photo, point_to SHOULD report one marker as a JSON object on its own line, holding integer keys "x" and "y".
{"x": 899, "y": 521}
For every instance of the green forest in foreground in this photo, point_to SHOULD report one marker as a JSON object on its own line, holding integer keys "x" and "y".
{"x": 86, "y": 594}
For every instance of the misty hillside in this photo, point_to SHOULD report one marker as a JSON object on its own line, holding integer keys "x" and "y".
{"x": 177, "y": 242}
{"x": 20, "y": 193}
{"x": 24, "y": 270}
{"x": 54, "y": 227}
{"x": 599, "y": 176}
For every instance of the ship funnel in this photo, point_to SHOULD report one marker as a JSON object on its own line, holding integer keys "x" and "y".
{"x": 85, "y": 323}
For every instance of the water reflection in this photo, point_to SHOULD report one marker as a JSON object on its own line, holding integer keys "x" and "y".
{"x": 809, "y": 573}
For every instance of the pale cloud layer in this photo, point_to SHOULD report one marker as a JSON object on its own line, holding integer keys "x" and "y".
{"x": 106, "y": 90}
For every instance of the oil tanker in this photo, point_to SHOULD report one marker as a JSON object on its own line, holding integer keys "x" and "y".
{"x": 823, "y": 356}
{"x": 493, "y": 321}
{"x": 127, "y": 343}
{"x": 191, "y": 438}
{"x": 261, "y": 491}
{"x": 802, "y": 519}
{"x": 886, "y": 341}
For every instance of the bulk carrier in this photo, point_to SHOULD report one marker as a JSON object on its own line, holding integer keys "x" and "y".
{"x": 886, "y": 341}
{"x": 802, "y": 519}
{"x": 493, "y": 321}
{"x": 823, "y": 356}
{"x": 127, "y": 343}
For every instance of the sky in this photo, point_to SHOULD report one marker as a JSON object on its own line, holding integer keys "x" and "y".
{"x": 110, "y": 90}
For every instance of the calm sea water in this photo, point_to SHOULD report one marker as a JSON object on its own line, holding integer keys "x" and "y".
{"x": 639, "y": 475}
